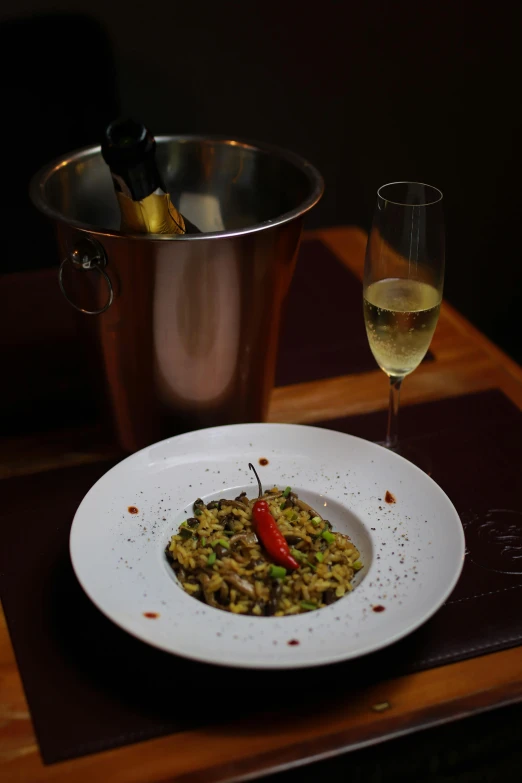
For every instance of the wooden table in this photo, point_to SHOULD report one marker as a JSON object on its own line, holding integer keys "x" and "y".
{"x": 466, "y": 362}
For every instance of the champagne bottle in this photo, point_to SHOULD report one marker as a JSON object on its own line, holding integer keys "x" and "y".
{"x": 129, "y": 149}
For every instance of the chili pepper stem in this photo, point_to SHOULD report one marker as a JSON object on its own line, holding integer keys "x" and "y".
{"x": 257, "y": 477}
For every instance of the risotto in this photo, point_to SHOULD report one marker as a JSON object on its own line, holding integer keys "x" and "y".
{"x": 218, "y": 557}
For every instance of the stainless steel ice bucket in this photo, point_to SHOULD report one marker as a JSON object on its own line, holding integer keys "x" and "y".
{"x": 183, "y": 330}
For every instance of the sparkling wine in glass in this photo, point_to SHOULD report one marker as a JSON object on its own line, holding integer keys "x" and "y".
{"x": 403, "y": 281}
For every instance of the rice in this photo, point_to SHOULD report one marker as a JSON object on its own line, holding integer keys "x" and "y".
{"x": 218, "y": 558}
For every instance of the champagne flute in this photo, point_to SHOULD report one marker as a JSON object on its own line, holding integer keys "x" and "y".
{"x": 403, "y": 280}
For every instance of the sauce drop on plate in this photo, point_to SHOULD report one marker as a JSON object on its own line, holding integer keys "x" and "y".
{"x": 132, "y": 510}
{"x": 293, "y": 642}
{"x": 151, "y": 615}
{"x": 263, "y": 461}
{"x": 389, "y": 498}
{"x": 378, "y": 608}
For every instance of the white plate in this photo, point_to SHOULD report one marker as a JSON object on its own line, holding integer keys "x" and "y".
{"x": 412, "y": 550}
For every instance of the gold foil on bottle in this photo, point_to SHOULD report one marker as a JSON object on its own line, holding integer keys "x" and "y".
{"x": 155, "y": 214}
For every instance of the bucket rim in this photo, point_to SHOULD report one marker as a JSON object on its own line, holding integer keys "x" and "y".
{"x": 315, "y": 179}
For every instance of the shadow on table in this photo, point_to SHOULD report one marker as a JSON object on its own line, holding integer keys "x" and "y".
{"x": 481, "y": 749}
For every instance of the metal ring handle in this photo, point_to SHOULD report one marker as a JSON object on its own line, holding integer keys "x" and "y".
{"x": 98, "y": 268}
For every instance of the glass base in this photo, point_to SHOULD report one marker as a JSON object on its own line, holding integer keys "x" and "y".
{"x": 419, "y": 458}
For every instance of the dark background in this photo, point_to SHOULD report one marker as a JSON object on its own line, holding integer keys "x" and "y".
{"x": 370, "y": 92}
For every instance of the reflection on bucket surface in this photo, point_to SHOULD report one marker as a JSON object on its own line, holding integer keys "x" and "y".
{"x": 203, "y": 335}
{"x": 188, "y": 325}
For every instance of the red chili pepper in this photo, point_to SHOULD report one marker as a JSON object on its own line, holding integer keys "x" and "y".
{"x": 272, "y": 538}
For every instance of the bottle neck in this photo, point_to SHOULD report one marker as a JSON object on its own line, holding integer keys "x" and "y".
{"x": 139, "y": 181}
{"x": 129, "y": 150}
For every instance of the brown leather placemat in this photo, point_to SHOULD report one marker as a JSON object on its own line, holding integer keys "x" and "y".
{"x": 322, "y": 328}
{"x": 475, "y": 445}
{"x": 90, "y": 686}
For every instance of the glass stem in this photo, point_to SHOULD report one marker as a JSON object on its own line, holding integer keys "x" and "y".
{"x": 392, "y": 433}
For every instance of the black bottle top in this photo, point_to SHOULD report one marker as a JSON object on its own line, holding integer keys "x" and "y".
{"x": 129, "y": 149}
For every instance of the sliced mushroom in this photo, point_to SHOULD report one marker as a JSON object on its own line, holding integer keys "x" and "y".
{"x": 329, "y": 596}
{"x": 230, "y": 522}
{"x": 179, "y": 571}
{"x": 250, "y": 538}
{"x": 243, "y": 542}
{"x": 220, "y": 551}
{"x": 305, "y": 507}
{"x": 208, "y": 595}
{"x": 240, "y": 584}
{"x": 293, "y": 540}
{"x": 271, "y": 495}
{"x": 223, "y": 597}
{"x": 275, "y": 595}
